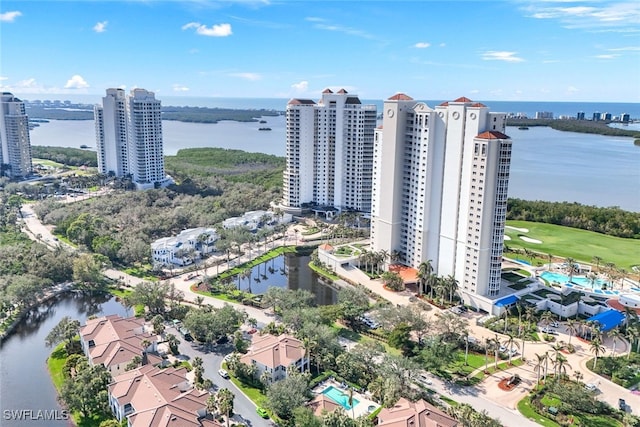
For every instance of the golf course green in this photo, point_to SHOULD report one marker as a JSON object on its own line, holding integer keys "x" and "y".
{"x": 570, "y": 242}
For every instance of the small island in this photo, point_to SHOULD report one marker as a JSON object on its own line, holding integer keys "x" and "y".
{"x": 264, "y": 128}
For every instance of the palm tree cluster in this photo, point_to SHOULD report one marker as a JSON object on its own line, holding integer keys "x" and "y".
{"x": 374, "y": 262}
{"x": 441, "y": 287}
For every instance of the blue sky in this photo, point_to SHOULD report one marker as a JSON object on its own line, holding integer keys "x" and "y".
{"x": 538, "y": 50}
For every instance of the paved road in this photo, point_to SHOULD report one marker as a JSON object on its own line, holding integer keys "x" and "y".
{"x": 245, "y": 410}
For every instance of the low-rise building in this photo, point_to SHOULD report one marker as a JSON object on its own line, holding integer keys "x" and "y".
{"x": 254, "y": 220}
{"x": 191, "y": 244}
{"x": 153, "y": 397}
{"x": 114, "y": 342}
{"x": 275, "y": 354}
{"x": 414, "y": 414}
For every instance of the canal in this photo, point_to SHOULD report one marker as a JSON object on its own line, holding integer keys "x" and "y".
{"x": 25, "y": 382}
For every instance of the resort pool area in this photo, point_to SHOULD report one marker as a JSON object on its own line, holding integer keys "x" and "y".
{"x": 552, "y": 276}
{"x": 340, "y": 397}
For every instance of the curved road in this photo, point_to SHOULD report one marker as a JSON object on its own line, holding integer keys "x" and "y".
{"x": 487, "y": 396}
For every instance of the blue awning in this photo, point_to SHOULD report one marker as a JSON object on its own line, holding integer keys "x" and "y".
{"x": 608, "y": 319}
{"x": 506, "y": 301}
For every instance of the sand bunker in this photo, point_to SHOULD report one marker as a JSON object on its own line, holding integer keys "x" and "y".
{"x": 522, "y": 230}
{"x": 507, "y": 237}
{"x": 530, "y": 240}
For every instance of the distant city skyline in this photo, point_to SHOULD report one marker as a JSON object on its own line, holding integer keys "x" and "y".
{"x": 511, "y": 50}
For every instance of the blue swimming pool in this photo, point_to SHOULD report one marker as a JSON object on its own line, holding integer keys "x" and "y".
{"x": 552, "y": 276}
{"x": 340, "y": 397}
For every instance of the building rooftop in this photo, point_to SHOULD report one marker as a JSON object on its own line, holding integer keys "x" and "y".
{"x": 297, "y": 101}
{"x": 414, "y": 414}
{"x": 273, "y": 351}
{"x": 492, "y": 135}
{"x": 322, "y": 404}
{"x": 400, "y": 97}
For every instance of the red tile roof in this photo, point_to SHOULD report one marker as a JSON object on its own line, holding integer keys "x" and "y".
{"x": 478, "y": 104}
{"x": 463, "y": 99}
{"x": 492, "y": 134}
{"x": 414, "y": 414}
{"x": 444, "y": 104}
{"x": 327, "y": 90}
{"x": 342, "y": 91}
{"x": 400, "y": 97}
{"x": 326, "y": 247}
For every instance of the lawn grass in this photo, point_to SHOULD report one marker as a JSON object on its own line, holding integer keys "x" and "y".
{"x": 359, "y": 338}
{"x": 525, "y": 408}
{"x": 49, "y": 163}
{"x": 55, "y": 364}
{"x": 324, "y": 273}
{"x": 581, "y": 245}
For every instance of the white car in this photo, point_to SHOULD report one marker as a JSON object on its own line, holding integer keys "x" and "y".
{"x": 224, "y": 374}
{"x": 591, "y": 387}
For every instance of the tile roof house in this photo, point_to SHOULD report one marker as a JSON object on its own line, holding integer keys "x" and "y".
{"x": 414, "y": 414}
{"x": 274, "y": 354}
{"x": 152, "y": 397}
{"x": 321, "y": 404}
{"x": 114, "y": 341}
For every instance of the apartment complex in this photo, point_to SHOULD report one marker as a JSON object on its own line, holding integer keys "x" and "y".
{"x": 440, "y": 182}
{"x": 15, "y": 144}
{"x": 129, "y": 137}
{"x": 329, "y": 153}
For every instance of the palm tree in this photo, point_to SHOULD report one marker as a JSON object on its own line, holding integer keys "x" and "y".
{"x": 597, "y": 349}
{"x": 615, "y": 335}
{"x": 571, "y": 267}
{"x": 509, "y": 343}
{"x": 546, "y": 318}
{"x": 425, "y": 269}
{"x": 540, "y": 359}
{"x": 557, "y": 348}
{"x": 572, "y": 328}
{"x": 465, "y": 336}
{"x": 632, "y": 335}
{"x": 225, "y": 402}
{"x": 560, "y": 364}
{"x": 452, "y": 285}
{"x": 529, "y": 315}
{"x": 488, "y": 342}
{"x": 496, "y": 349}
{"x": 597, "y": 260}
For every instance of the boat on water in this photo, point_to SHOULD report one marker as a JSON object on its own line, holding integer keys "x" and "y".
{"x": 264, "y": 128}
{"x": 263, "y": 121}
{"x": 523, "y": 128}
{"x": 83, "y": 146}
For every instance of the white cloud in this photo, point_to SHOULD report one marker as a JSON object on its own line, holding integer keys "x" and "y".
{"x": 607, "y": 56}
{"x": 314, "y": 19}
{"x": 180, "y": 88}
{"x": 76, "y": 82}
{"x": 10, "y": 16}
{"x": 625, "y": 49}
{"x": 3, "y": 78}
{"x": 247, "y": 76}
{"x": 572, "y": 89}
{"x": 622, "y": 16}
{"x": 494, "y": 55}
{"x": 100, "y": 27}
{"x": 219, "y": 30}
{"x": 474, "y": 91}
{"x": 422, "y": 45}
{"x": 442, "y": 44}
{"x": 301, "y": 87}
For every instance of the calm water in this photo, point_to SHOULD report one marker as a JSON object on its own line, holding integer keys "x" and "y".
{"x": 26, "y": 383}
{"x": 288, "y": 270}
{"x": 546, "y": 164}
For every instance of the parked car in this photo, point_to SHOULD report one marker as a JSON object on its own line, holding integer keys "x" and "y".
{"x": 262, "y": 412}
{"x": 554, "y": 324}
{"x": 622, "y": 404}
{"x": 591, "y": 387}
{"x": 224, "y": 374}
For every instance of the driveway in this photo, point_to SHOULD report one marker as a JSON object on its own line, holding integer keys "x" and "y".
{"x": 245, "y": 410}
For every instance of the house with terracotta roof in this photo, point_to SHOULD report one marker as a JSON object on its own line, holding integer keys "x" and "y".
{"x": 150, "y": 396}
{"x": 321, "y": 405}
{"x": 114, "y": 341}
{"x": 274, "y": 354}
{"x": 414, "y": 414}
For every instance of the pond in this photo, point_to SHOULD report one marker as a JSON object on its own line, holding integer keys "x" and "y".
{"x": 26, "y": 384}
{"x": 287, "y": 271}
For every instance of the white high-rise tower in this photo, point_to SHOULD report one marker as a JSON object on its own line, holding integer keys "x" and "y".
{"x": 440, "y": 190}
{"x": 15, "y": 143}
{"x": 111, "y": 133}
{"x": 329, "y": 152}
{"x": 129, "y": 137}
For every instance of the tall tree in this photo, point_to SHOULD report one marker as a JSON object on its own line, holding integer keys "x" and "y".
{"x": 66, "y": 330}
{"x": 224, "y": 403}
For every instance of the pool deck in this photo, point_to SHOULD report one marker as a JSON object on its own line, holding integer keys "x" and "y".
{"x": 364, "y": 399}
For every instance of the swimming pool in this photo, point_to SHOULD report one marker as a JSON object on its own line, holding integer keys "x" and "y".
{"x": 340, "y": 397}
{"x": 552, "y": 276}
